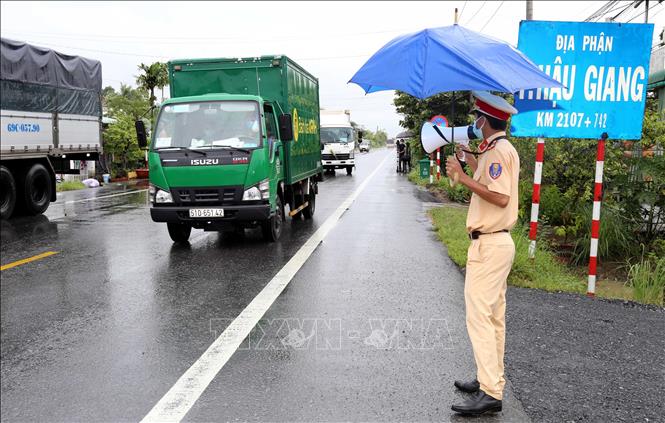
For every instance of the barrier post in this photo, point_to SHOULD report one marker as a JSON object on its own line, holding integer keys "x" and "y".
{"x": 431, "y": 168}
{"x": 595, "y": 218}
{"x": 438, "y": 163}
{"x": 535, "y": 197}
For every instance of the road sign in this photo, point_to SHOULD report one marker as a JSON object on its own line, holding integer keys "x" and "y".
{"x": 604, "y": 67}
{"x": 440, "y": 120}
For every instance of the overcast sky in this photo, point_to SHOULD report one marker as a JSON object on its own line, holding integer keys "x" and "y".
{"x": 331, "y": 40}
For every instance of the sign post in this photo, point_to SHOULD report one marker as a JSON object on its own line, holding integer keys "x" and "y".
{"x": 595, "y": 218}
{"x": 604, "y": 68}
{"x": 535, "y": 197}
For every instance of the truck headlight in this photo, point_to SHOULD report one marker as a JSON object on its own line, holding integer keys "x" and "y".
{"x": 151, "y": 193}
{"x": 163, "y": 197}
{"x": 252, "y": 194}
{"x": 258, "y": 192}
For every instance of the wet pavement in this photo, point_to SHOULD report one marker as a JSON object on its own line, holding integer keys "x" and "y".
{"x": 370, "y": 328}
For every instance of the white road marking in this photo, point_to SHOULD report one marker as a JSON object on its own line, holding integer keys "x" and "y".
{"x": 186, "y": 391}
{"x": 105, "y": 196}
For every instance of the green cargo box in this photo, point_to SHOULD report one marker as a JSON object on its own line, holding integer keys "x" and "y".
{"x": 274, "y": 78}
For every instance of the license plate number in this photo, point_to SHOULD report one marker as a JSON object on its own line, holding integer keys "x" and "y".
{"x": 206, "y": 213}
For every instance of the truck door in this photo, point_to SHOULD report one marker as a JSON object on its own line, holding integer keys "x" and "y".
{"x": 275, "y": 156}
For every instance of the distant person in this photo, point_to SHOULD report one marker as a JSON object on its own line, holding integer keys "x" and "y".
{"x": 401, "y": 150}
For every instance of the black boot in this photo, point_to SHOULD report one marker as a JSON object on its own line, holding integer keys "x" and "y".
{"x": 469, "y": 387}
{"x": 478, "y": 404}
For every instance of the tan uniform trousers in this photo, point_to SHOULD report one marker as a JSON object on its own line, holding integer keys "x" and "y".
{"x": 490, "y": 258}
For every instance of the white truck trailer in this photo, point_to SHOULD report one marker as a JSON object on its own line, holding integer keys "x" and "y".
{"x": 338, "y": 139}
{"x": 50, "y": 115}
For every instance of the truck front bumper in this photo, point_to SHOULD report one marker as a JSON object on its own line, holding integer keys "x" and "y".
{"x": 338, "y": 164}
{"x": 234, "y": 216}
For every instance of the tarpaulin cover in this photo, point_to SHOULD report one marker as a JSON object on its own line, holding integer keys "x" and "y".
{"x": 38, "y": 79}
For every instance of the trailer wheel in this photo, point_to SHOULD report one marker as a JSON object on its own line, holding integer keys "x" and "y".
{"x": 37, "y": 188}
{"x": 308, "y": 211}
{"x": 7, "y": 193}
{"x": 272, "y": 228}
{"x": 179, "y": 232}
{"x": 349, "y": 170}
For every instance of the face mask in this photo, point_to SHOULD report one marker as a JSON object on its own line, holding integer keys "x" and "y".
{"x": 478, "y": 131}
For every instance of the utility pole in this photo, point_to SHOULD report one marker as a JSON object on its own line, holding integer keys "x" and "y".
{"x": 529, "y": 10}
{"x": 646, "y": 11}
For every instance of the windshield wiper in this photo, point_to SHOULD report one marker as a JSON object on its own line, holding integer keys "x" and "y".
{"x": 181, "y": 148}
{"x": 244, "y": 150}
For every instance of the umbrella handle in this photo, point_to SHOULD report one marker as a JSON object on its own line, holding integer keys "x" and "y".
{"x": 455, "y": 180}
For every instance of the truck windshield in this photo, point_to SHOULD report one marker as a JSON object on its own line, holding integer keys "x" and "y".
{"x": 336, "y": 135}
{"x": 209, "y": 125}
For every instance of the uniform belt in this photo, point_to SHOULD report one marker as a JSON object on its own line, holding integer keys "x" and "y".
{"x": 477, "y": 234}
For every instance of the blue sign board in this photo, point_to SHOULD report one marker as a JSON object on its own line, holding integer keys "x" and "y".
{"x": 604, "y": 67}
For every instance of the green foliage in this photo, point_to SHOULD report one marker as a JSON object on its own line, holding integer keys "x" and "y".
{"x": 416, "y": 111}
{"x": 459, "y": 193}
{"x": 69, "y": 186}
{"x": 543, "y": 272}
{"x": 616, "y": 239}
{"x": 120, "y": 141}
{"x": 125, "y": 106}
{"x": 647, "y": 278}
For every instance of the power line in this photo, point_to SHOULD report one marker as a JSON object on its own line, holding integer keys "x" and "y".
{"x": 474, "y": 15}
{"x": 462, "y": 12}
{"x": 491, "y": 17}
{"x": 649, "y": 10}
{"x": 622, "y": 11}
{"x": 600, "y": 11}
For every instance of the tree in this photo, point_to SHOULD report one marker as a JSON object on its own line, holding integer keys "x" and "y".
{"x": 416, "y": 111}
{"x": 125, "y": 106}
{"x": 153, "y": 76}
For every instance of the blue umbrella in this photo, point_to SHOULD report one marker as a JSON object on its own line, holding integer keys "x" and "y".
{"x": 449, "y": 58}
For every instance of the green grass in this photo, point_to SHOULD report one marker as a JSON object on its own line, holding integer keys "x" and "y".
{"x": 69, "y": 186}
{"x": 647, "y": 279}
{"x": 543, "y": 272}
{"x": 459, "y": 193}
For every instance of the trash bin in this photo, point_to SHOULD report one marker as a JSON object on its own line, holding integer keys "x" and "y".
{"x": 424, "y": 168}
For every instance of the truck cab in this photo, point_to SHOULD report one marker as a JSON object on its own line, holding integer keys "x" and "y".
{"x": 338, "y": 141}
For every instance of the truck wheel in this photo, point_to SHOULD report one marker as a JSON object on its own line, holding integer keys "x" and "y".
{"x": 272, "y": 228}
{"x": 7, "y": 193}
{"x": 179, "y": 232}
{"x": 349, "y": 170}
{"x": 308, "y": 211}
{"x": 37, "y": 189}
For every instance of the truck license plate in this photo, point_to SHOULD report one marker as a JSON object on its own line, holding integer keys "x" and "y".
{"x": 206, "y": 212}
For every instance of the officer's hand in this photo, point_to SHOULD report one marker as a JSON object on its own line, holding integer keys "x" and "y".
{"x": 453, "y": 167}
{"x": 458, "y": 151}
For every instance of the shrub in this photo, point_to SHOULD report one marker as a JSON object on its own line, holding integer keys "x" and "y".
{"x": 617, "y": 237}
{"x": 647, "y": 278}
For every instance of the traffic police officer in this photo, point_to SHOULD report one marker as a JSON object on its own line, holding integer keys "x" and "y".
{"x": 492, "y": 214}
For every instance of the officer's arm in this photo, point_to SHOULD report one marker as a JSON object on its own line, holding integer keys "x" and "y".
{"x": 481, "y": 190}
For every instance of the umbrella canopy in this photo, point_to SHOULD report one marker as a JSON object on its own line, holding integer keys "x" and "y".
{"x": 449, "y": 58}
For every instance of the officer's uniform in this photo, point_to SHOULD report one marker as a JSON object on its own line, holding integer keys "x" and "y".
{"x": 491, "y": 253}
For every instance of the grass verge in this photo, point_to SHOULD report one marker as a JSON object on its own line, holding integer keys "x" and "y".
{"x": 647, "y": 279}
{"x": 543, "y": 272}
{"x": 69, "y": 186}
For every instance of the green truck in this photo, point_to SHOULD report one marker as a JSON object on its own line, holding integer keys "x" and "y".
{"x": 237, "y": 141}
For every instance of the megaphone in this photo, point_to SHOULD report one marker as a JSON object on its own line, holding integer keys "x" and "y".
{"x": 433, "y": 136}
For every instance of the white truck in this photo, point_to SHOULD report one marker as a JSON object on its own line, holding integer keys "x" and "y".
{"x": 50, "y": 116}
{"x": 338, "y": 139}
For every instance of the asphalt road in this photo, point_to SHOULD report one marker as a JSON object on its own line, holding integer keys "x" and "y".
{"x": 370, "y": 328}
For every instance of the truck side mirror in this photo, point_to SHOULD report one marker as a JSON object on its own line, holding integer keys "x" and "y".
{"x": 286, "y": 127}
{"x": 141, "y": 136}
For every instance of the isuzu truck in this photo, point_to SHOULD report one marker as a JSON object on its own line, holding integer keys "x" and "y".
{"x": 50, "y": 115}
{"x": 237, "y": 141}
{"x": 338, "y": 138}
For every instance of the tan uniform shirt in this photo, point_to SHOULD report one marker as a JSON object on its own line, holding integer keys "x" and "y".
{"x": 499, "y": 170}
